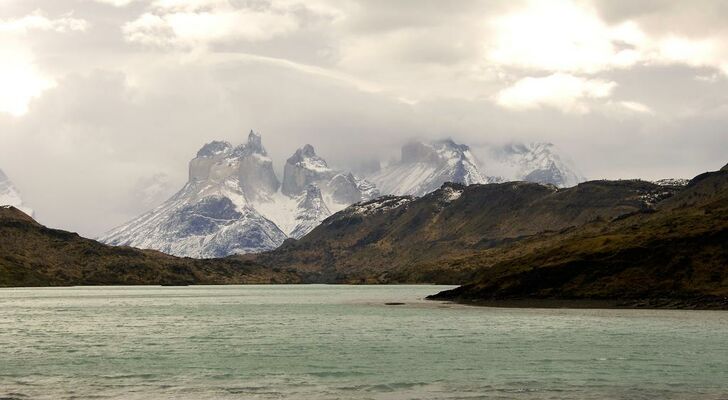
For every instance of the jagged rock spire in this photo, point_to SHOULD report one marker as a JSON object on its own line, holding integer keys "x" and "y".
{"x": 303, "y": 168}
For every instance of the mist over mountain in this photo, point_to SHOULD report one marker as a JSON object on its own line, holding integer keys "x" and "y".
{"x": 532, "y": 162}
{"x": 234, "y": 202}
{"x": 10, "y": 196}
{"x": 424, "y": 167}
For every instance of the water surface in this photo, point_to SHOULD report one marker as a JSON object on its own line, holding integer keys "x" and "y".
{"x": 343, "y": 342}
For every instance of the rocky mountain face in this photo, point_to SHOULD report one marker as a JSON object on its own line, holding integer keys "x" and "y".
{"x": 33, "y": 255}
{"x": 10, "y": 196}
{"x": 304, "y": 168}
{"x": 233, "y": 203}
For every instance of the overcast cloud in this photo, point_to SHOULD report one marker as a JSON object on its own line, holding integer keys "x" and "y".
{"x": 103, "y": 102}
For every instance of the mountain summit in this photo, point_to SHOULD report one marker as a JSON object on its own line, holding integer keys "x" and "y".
{"x": 233, "y": 203}
{"x": 10, "y": 196}
{"x": 424, "y": 167}
{"x": 537, "y": 162}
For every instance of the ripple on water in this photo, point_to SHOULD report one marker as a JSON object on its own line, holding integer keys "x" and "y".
{"x": 330, "y": 342}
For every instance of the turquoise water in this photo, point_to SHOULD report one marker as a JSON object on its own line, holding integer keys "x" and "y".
{"x": 343, "y": 342}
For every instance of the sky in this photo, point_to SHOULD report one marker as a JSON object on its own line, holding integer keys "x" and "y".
{"x": 104, "y": 102}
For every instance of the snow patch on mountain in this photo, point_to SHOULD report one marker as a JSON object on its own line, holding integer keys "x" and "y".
{"x": 533, "y": 162}
{"x": 424, "y": 167}
{"x": 381, "y": 204}
{"x": 450, "y": 194}
{"x": 672, "y": 182}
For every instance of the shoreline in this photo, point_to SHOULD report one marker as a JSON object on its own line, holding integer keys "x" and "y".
{"x": 616, "y": 304}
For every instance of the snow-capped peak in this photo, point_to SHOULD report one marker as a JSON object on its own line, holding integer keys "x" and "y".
{"x": 215, "y": 148}
{"x": 234, "y": 203}
{"x": 303, "y": 168}
{"x": 533, "y": 162}
{"x": 10, "y": 196}
{"x": 253, "y": 146}
{"x": 424, "y": 167}
{"x": 307, "y": 158}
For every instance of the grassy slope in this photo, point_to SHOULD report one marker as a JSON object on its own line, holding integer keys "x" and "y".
{"x": 399, "y": 245}
{"x": 33, "y": 255}
{"x": 675, "y": 256}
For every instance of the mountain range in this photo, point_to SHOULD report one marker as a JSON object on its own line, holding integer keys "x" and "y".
{"x": 625, "y": 243}
{"x": 414, "y": 239}
{"x": 233, "y": 202}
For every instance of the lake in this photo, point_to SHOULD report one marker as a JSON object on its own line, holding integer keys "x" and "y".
{"x": 344, "y": 342}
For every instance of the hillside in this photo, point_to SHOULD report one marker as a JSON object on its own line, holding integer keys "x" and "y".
{"x": 618, "y": 243}
{"x": 33, "y": 255}
{"x": 675, "y": 256}
{"x": 403, "y": 239}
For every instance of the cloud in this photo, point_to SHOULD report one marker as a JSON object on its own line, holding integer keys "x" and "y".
{"x": 195, "y": 23}
{"x": 115, "y": 3}
{"x": 21, "y": 80}
{"x": 561, "y": 36}
{"x": 693, "y": 52}
{"x": 570, "y": 36}
{"x": 136, "y": 92}
{"x": 38, "y": 21}
{"x": 564, "y": 92}
{"x": 636, "y": 107}
{"x": 206, "y": 27}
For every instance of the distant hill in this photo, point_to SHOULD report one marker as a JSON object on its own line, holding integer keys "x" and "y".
{"x": 33, "y": 255}
{"x": 673, "y": 256}
{"x": 406, "y": 239}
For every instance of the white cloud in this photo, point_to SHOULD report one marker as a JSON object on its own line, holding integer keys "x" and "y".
{"x": 694, "y": 52}
{"x": 37, "y": 21}
{"x": 116, "y": 3}
{"x": 570, "y": 36}
{"x": 636, "y": 107}
{"x": 149, "y": 29}
{"x": 188, "y": 5}
{"x": 561, "y": 36}
{"x": 195, "y": 23}
{"x": 196, "y": 28}
{"x": 20, "y": 80}
{"x": 561, "y": 91}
